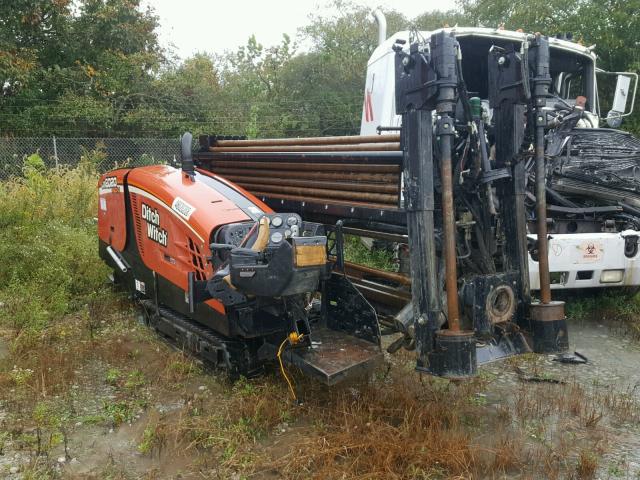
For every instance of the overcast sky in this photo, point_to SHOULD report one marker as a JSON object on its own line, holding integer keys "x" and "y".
{"x": 215, "y": 26}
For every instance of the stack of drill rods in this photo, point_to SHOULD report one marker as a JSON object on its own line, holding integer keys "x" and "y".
{"x": 271, "y": 168}
{"x": 363, "y": 183}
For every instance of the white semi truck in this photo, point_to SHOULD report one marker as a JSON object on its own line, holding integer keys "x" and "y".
{"x": 594, "y": 210}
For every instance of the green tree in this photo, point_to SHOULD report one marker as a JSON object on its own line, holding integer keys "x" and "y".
{"x": 255, "y": 90}
{"x": 30, "y": 31}
{"x": 186, "y": 96}
{"x": 438, "y": 19}
{"x": 80, "y": 70}
{"x": 327, "y": 83}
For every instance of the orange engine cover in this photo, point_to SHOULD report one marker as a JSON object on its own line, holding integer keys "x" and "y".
{"x": 173, "y": 216}
{"x": 112, "y": 220}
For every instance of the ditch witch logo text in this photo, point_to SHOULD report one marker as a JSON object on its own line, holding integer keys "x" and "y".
{"x": 154, "y": 232}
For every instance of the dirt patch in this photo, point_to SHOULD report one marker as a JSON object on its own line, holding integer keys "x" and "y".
{"x": 4, "y": 346}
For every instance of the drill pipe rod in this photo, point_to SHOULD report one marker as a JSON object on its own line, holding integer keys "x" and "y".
{"x": 393, "y": 188}
{"x": 384, "y": 178}
{"x": 319, "y": 200}
{"x": 449, "y": 228}
{"x": 380, "y": 235}
{"x": 314, "y": 167}
{"x": 365, "y": 272}
{"x": 323, "y": 193}
{"x": 541, "y": 214}
{"x": 339, "y": 140}
{"x": 346, "y": 157}
{"x": 361, "y": 147}
{"x": 380, "y": 293}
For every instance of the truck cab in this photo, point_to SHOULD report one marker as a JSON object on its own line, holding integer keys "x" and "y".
{"x": 572, "y": 69}
{"x": 594, "y": 222}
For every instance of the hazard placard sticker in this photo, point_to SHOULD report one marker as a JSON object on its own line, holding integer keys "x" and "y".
{"x": 590, "y": 252}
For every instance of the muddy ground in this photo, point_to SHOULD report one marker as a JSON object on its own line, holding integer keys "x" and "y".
{"x": 136, "y": 408}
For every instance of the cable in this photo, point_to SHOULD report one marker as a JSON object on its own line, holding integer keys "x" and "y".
{"x": 292, "y": 338}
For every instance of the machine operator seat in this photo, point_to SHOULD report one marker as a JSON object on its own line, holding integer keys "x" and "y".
{"x": 260, "y": 244}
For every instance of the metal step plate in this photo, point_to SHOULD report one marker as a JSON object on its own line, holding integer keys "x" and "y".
{"x": 335, "y": 356}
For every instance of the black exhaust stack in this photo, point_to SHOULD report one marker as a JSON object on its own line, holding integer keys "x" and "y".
{"x": 188, "y": 167}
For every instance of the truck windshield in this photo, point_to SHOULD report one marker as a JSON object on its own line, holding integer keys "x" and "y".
{"x": 572, "y": 72}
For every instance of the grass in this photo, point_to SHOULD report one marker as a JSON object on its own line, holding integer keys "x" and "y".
{"x": 395, "y": 426}
{"x": 355, "y": 251}
{"x": 48, "y": 247}
{"x": 52, "y": 290}
{"x": 599, "y": 304}
{"x": 619, "y": 308}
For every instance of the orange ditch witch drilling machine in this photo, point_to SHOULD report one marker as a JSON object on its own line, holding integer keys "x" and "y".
{"x": 221, "y": 273}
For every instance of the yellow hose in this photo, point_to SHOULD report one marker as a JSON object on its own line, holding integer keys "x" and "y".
{"x": 292, "y": 338}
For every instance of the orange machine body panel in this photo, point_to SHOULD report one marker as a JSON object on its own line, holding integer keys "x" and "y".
{"x": 175, "y": 214}
{"x": 112, "y": 220}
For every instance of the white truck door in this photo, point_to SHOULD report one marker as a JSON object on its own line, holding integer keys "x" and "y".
{"x": 379, "y": 103}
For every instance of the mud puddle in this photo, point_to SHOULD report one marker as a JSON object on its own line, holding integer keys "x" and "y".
{"x": 96, "y": 448}
{"x": 609, "y": 384}
{"x": 613, "y": 359}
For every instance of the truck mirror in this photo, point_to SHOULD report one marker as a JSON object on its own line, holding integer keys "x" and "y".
{"x": 623, "y": 99}
{"x": 621, "y": 95}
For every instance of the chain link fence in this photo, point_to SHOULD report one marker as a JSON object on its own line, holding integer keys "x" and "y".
{"x": 107, "y": 153}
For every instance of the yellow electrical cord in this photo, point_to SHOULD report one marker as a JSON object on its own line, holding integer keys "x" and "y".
{"x": 292, "y": 338}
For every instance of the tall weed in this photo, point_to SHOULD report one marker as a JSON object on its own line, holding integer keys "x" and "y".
{"x": 48, "y": 245}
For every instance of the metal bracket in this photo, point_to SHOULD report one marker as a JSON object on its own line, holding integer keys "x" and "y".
{"x": 445, "y": 126}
